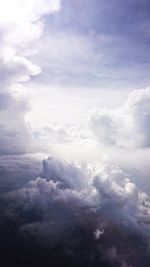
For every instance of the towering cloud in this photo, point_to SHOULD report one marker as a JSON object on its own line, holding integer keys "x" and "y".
{"x": 21, "y": 26}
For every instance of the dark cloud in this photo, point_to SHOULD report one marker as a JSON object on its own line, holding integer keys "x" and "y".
{"x": 60, "y": 212}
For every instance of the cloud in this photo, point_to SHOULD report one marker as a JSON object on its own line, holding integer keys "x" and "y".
{"x": 53, "y": 134}
{"x": 98, "y": 233}
{"x": 21, "y": 26}
{"x": 112, "y": 256}
{"x": 100, "y": 204}
{"x": 15, "y": 136}
{"x": 30, "y": 10}
{"x": 106, "y": 188}
{"x": 16, "y": 171}
{"x": 126, "y": 126}
{"x": 120, "y": 199}
{"x": 72, "y": 208}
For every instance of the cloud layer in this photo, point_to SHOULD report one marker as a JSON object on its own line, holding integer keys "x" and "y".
{"x": 98, "y": 188}
{"x": 66, "y": 197}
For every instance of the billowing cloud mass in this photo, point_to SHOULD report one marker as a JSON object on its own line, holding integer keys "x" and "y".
{"x": 126, "y": 126}
{"x": 68, "y": 197}
{"x": 108, "y": 189}
{"x": 74, "y": 188}
{"x": 21, "y": 26}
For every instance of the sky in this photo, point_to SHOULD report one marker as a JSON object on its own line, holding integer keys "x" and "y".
{"x": 75, "y": 133}
{"x": 112, "y": 37}
{"x": 92, "y": 53}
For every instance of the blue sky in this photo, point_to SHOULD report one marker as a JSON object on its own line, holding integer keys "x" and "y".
{"x": 62, "y": 59}
{"x": 116, "y": 36}
{"x": 90, "y": 54}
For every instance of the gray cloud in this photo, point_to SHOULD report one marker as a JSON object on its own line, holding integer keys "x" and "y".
{"x": 66, "y": 198}
{"x": 16, "y": 171}
{"x": 106, "y": 188}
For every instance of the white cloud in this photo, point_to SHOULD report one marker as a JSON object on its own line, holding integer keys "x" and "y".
{"x": 97, "y": 233}
{"x": 126, "y": 126}
{"x": 20, "y": 27}
{"x": 18, "y": 11}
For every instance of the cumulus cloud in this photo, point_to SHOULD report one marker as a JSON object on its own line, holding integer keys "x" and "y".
{"x": 126, "y": 126}
{"x": 68, "y": 207}
{"x": 21, "y": 26}
{"x": 108, "y": 189}
{"x": 71, "y": 200}
{"x": 53, "y": 134}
